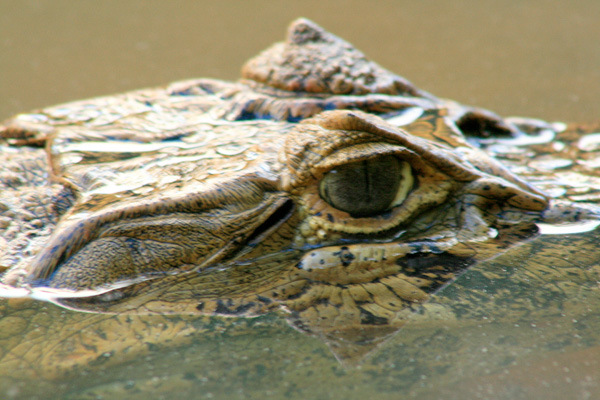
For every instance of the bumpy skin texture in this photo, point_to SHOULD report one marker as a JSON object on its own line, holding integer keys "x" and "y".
{"x": 315, "y": 61}
{"x": 204, "y": 197}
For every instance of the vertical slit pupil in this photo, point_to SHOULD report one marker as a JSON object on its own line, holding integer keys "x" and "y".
{"x": 363, "y": 188}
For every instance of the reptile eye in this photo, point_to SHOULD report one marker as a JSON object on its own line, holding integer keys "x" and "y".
{"x": 367, "y": 188}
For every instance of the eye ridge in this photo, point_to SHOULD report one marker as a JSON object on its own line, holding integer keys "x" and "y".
{"x": 369, "y": 187}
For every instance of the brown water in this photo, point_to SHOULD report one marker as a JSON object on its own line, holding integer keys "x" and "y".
{"x": 523, "y": 326}
{"x": 532, "y": 58}
{"x": 538, "y": 58}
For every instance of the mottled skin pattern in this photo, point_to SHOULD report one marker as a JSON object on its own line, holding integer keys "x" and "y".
{"x": 204, "y": 197}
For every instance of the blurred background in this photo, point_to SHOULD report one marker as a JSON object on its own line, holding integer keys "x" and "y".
{"x": 538, "y": 58}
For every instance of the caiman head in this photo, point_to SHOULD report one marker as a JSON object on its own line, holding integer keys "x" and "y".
{"x": 343, "y": 220}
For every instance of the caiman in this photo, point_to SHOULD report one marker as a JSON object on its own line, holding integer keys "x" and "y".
{"x": 320, "y": 186}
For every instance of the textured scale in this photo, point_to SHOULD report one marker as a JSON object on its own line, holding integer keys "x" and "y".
{"x": 202, "y": 198}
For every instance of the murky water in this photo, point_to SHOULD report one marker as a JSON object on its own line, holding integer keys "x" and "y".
{"x": 536, "y": 58}
{"x": 523, "y": 326}
{"x": 528, "y": 322}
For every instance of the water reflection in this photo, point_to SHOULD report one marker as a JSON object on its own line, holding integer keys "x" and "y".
{"x": 522, "y": 325}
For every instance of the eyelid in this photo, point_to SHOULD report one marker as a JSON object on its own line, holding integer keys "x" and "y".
{"x": 362, "y": 152}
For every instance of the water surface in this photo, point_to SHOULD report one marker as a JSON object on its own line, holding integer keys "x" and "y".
{"x": 524, "y": 325}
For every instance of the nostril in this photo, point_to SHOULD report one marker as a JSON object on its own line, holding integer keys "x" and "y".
{"x": 479, "y": 125}
{"x": 281, "y": 214}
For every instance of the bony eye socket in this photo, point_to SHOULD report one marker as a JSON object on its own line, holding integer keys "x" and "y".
{"x": 369, "y": 187}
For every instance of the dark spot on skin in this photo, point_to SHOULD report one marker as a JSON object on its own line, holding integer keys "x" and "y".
{"x": 330, "y": 217}
{"x": 368, "y": 318}
{"x": 321, "y": 302}
{"x": 224, "y": 309}
{"x": 264, "y": 300}
{"x": 247, "y": 115}
{"x": 438, "y": 269}
{"x": 299, "y": 294}
{"x": 346, "y": 257}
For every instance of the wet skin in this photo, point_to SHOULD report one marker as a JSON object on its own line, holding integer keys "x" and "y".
{"x": 320, "y": 185}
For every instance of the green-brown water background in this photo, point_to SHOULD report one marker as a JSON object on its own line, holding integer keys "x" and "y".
{"x": 531, "y": 58}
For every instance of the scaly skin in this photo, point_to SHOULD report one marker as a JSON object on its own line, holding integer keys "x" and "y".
{"x": 205, "y": 197}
